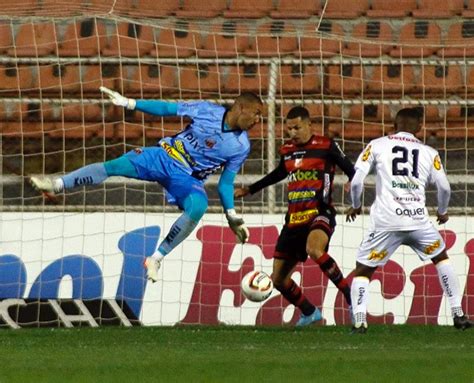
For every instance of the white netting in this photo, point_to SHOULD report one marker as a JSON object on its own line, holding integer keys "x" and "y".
{"x": 352, "y": 72}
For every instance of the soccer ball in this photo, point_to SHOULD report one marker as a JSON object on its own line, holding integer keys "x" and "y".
{"x": 257, "y": 286}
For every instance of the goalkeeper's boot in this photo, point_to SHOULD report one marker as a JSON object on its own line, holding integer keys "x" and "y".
{"x": 463, "y": 322}
{"x": 152, "y": 266}
{"x": 359, "y": 328}
{"x": 306, "y": 320}
{"x": 47, "y": 186}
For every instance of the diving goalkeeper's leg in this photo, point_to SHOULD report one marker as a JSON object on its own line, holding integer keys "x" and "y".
{"x": 194, "y": 206}
{"x": 93, "y": 174}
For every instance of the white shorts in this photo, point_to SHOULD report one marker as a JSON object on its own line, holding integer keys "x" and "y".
{"x": 377, "y": 247}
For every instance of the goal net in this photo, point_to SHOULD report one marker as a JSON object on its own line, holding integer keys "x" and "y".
{"x": 77, "y": 259}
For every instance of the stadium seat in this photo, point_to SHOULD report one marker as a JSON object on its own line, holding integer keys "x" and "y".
{"x": 459, "y": 41}
{"x": 325, "y": 43}
{"x": 346, "y": 80}
{"x": 296, "y": 9}
{"x": 460, "y": 113}
{"x": 153, "y": 8}
{"x": 34, "y": 39}
{"x": 203, "y": 80}
{"x": 394, "y": 79}
{"x": 440, "y": 79}
{"x": 247, "y": 77}
{"x": 345, "y": 9}
{"x": 130, "y": 40}
{"x": 27, "y": 129}
{"x": 55, "y": 8}
{"x": 359, "y": 131}
{"x": 227, "y": 39}
{"x": 128, "y": 130}
{"x": 16, "y": 79}
{"x": 6, "y": 37}
{"x": 165, "y": 128}
{"x": 201, "y": 9}
{"x": 87, "y": 112}
{"x": 183, "y": 40}
{"x": 378, "y": 33}
{"x": 470, "y": 78}
{"x": 24, "y": 8}
{"x": 432, "y": 113}
{"x": 455, "y": 131}
{"x": 395, "y": 9}
{"x": 95, "y": 76}
{"x": 83, "y": 39}
{"x": 249, "y": 9}
{"x": 150, "y": 80}
{"x": 376, "y": 112}
{"x": 299, "y": 79}
{"x": 426, "y": 35}
{"x": 73, "y": 130}
{"x": 104, "y": 129}
{"x": 59, "y": 78}
{"x": 430, "y": 9}
{"x": 275, "y": 38}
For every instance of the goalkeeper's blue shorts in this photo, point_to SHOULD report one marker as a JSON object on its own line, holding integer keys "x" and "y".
{"x": 154, "y": 164}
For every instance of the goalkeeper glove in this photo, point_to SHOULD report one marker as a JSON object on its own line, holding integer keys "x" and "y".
{"x": 238, "y": 226}
{"x": 118, "y": 99}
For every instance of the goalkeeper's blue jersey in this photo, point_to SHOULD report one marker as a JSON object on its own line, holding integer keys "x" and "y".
{"x": 204, "y": 146}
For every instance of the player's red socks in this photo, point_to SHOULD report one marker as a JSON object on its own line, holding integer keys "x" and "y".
{"x": 293, "y": 294}
{"x": 330, "y": 268}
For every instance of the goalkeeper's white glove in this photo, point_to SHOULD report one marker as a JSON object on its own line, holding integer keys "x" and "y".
{"x": 237, "y": 225}
{"x": 118, "y": 99}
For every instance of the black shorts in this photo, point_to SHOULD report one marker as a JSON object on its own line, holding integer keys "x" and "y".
{"x": 291, "y": 243}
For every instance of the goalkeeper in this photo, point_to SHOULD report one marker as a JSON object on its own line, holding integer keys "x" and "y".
{"x": 216, "y": 138}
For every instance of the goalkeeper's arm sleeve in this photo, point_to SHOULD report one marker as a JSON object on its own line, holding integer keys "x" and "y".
{"x": 226, "y": 189}
{"x": 357, "y": 185}
{"x": 158, "y": 108}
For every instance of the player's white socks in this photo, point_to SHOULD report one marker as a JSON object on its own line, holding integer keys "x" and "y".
{"x": 360, "y": 298}
{"x": 450, "y": 283}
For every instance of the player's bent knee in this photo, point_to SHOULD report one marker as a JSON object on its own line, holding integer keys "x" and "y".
{"x": 195, "y": 205}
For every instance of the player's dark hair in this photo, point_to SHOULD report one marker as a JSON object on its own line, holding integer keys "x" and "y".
{"x": 414, "y": 113}
{"x": 249, "y": 97}
{"x": 408, "y": 119}
{"x": 298, "y": 111}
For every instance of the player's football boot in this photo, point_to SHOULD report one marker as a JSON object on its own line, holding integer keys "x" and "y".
{"x": 43, "y": 184}
{"x": 306, "y": 320}
{"x": 152, "y": 267}
{"x": 463, "y": 322}
{"x": 359, "y": 328}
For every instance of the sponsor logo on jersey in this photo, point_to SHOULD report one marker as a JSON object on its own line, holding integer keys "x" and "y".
{"x": 303, "y": 175}
{"x": 178, "y": 144}
{"x": 298, "y": 162}
{"x": 407, "y": 199}
{"x": 430, "y": 249}
{"x": 437, "y": 163}
{"x": 410, "y": 212}
{"x": 301, "y": 195}
{"x": 366, "y": 154}
{"x": 405, "y": 185}
{"x": 173, "y": 153}
{"x": 377, "y": 255}
{"x": 209, "y": 143}
{"x": 302, "y": 216}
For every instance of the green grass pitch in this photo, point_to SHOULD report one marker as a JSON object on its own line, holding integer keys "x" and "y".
{"x": 238, "y": 354}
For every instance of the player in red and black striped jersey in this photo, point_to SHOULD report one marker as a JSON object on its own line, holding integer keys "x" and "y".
{"x": 309, "y": 163}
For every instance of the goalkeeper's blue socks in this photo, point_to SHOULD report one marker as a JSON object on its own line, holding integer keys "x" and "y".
{"x": 180, "y": 230}
{"x": 88, "y": 175}
{"x": 194, "y": 205}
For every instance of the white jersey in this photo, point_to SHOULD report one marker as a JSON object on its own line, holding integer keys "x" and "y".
{"x": 404, "y": 166}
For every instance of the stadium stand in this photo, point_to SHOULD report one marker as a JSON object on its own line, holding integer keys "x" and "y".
{"x": 296, "y": 9}
{"x": 277, "y": 37}
{"x": 249, "y": 9}
{"x": 227, "y": 39}
{"x": 391, "y": 9}
{"x": 201, "y": 9}
{"x": 130, "y": 40}
{"x": 83, "y": 38}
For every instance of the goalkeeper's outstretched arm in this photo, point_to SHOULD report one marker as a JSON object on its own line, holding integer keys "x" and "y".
{"x": 156, "y": 107}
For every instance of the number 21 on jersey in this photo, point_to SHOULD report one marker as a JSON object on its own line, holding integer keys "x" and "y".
{"x": 400, "y": 165}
